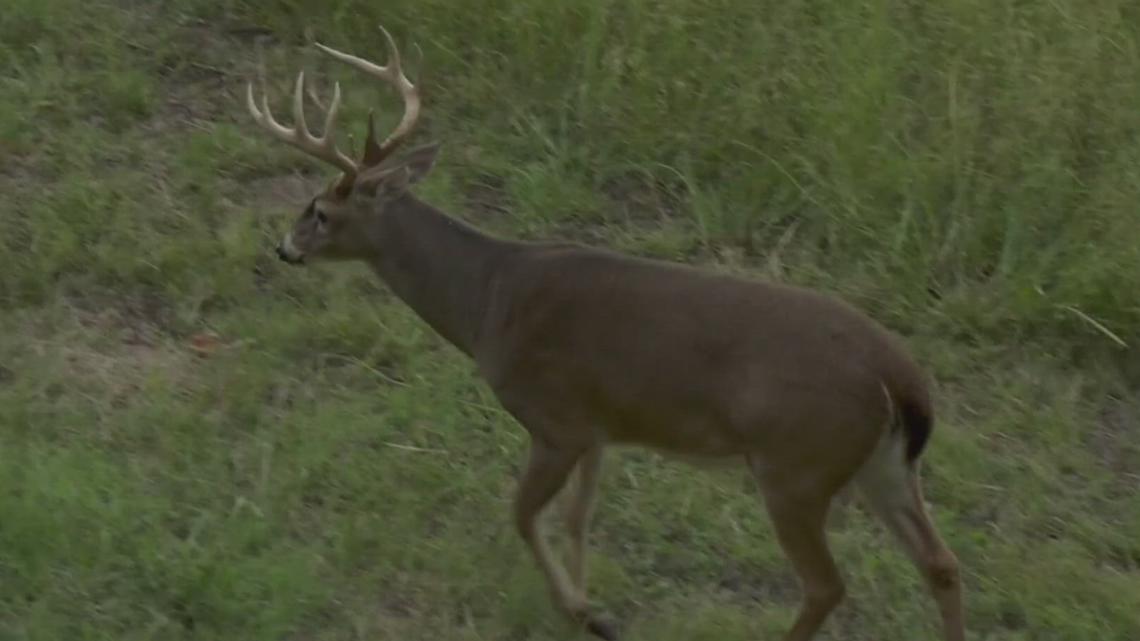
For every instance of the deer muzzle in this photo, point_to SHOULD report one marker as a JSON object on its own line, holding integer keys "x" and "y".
{"x": 288, "y": 253}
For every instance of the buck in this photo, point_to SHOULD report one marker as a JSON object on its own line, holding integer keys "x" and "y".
{"x": 588, "y": 348}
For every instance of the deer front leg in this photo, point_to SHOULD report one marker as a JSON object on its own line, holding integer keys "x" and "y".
{"x": 579, "y": 511}
{"x": 546, "y": 472}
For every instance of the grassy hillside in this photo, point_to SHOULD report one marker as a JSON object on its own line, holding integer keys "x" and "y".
{"x": 199, "y": 443}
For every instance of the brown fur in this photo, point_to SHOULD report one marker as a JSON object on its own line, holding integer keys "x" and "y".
{"x": 588, "y": 348}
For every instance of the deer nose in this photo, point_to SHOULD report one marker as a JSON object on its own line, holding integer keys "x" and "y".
{"x": 289, "y": 255}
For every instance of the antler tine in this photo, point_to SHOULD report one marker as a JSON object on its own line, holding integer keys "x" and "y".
{"x": 323, "y": 147}
{"x": 391, "y": 73}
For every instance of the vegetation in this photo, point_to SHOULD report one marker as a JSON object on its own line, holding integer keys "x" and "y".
{"x": 199, "y": 443}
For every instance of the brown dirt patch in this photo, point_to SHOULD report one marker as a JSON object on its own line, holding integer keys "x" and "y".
{"x": 110, "y": 354}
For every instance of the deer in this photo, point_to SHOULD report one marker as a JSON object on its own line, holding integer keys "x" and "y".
{"x": 589, "y": 348}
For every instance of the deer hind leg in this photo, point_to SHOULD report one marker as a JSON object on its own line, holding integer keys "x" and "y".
{"x": 800, "y": 517}
{"x": 579, "y": 510}
{"x": 892, "y": 489}
{"x": 546, "y": 472}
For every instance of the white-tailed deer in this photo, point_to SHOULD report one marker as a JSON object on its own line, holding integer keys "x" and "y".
{"x": 588, "y": 348}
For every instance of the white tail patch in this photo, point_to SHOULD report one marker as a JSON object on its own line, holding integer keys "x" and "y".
{"x": 886, "y": 471}
{"x": 885, "y": 478}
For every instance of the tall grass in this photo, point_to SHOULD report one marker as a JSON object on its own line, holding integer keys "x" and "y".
{"x": 957, "y": 154}
{"x": 947, "y": 157}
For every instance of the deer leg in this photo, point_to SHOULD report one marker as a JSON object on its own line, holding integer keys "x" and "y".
{"x": 546, "y": 472}
{"x": 579, "y": 510}
{"x": 799, "y": 518}
{"x": 892, "y": 489}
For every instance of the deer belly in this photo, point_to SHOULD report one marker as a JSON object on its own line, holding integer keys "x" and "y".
{"x": 698, "y": 437}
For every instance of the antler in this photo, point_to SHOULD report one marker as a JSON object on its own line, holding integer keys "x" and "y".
{"x": 391, "y": 73}
{"x": 324, "y": 147}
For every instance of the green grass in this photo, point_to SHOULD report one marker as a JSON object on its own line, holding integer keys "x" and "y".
{"x": 967, "y": 171}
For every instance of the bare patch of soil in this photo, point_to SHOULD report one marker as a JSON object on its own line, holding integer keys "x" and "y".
{"x": 113, "y": 352}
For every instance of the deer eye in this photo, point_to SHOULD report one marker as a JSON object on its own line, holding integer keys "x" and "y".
{"x": 322, "y": 218}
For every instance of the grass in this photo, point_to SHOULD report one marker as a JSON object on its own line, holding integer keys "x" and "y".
{"x": 966, "y": 170}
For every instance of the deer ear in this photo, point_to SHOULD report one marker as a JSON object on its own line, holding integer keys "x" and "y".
{"x": 396, "y": 177}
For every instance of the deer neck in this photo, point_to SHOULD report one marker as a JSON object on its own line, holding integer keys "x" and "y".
{"x": 439, "y": 266}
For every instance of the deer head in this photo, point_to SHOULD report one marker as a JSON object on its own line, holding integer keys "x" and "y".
{"x": 336, "y": 223}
